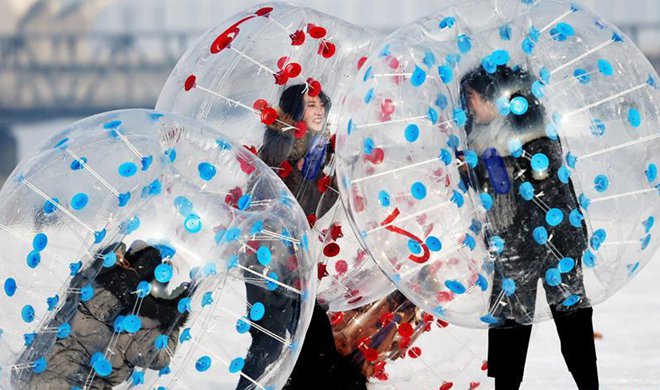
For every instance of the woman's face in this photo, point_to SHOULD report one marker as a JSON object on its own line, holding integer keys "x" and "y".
{"x": 314, "y": 116}
{"x": 483, "y": 111}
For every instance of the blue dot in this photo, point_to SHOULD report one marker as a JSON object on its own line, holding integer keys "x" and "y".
{"x": 646, "y": 241}
{"x": 554, "y": 217}
{"x": 418, "y": 77}
{"x": 553, "y": 277}
{"x": 526, "y": 191}
{"x": 597, "y": 239}
{"x": 203, "y": 363}
{"x": 414, "y": 247}
{"x": 40, "y": 365}
{"x": 571, "y": 160}
{"x": 244, "y": 201}
{"x": 49, "y": 205}
{"x": 488, "y": 64}
{"x": 86, "y": 293}
{"x": 192, "y": 223}
{"x": 582, "y": 76}
{"x": 236, "y": 365}
{"x": 33, "y": 259}
{"x": 519, "y": 105}
{"x": 52, "y": 302}
{"x": 10, "y": 287}
{"x": 242, "y": 325}
{"x": 170, "y": 155}
{"x": 634, "y": 117}
{"x": 27, "y": 313}
{"x": 651, "y": 173}
{"x": 576, "y": 218}
{"x": 446, "y": 74}
{"x": 418, "y": 191}
{"x": 588, "y": 259}
{"x": 143, "y": 289}
{"x": 112, "y": 124}
{"x": 61, "y": 144}
{"x": 470, "y": 242}
{"x": 109, "y": 259}
{"x": 447, "y": 22}
{"x": 127, "y": 169}
{"x": 130, "y": 225}
{"x": 464, "y": 43}
{"x": 163, "y": 272}
{"x": 459, "y": 116}
{"x": 508, "y": 286}
{"x": 605, "y": 67}
{"x": 257, "y": 311}
{"x": 457, "y": 199}
{"x": 232, "y": 234}
{"x": 597, "y": 127}
{"x": 384, "y": 198}
{"x": 441, "y": 101}
{"x": 145, "y": 162}
{"x": 63, "y": 331}
{"x": 369, "y": 145}
{"x": 455, "y": 286}
{"x": 500, "y": 57}
{"x": 566, "y": 265}
{"x": 412, "y": 132}
{"x": 271, "y": 285}
{"x": 648, "y": 224}
{"x": 565, "y": 29}
{"x": 545, "y": 75}
{"x": 445, "y": 156}
{"x": 538, "y": 90}
{"x": 540, "y": 162}
{"x": 124, "y": 198}
{"x": 264, "y": 255}
{"x": 527, "y": 46}
{"x": 137, "y": 378}
{"x": 563, "y": 174}
{"x": 515, "y": 147}
{"x": 482, "y": 282}
{"x": 505, "y": 32}
{"x": 131, "y": 323}
{"x": 433, "y": 243}
{"x": 601, "y": 183}
{"x": 471, "y": 158}
{"x": 184, "y": 305}
{"x": 367, "y": 75}
{"x": 496, "y": 244}
{"x": 183, "y": 205}
{"x": 570, "y": 301}
{"x": 540, "y": 235}
{"x": 368, "y": 97}
{"x": 486, "y": 200}
{"x": 78, "y": 164}
{"x": 206, "y": 171}
{"x": 79, "y": 201}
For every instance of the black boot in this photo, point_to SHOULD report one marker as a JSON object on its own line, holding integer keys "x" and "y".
{"x": 507, "y": 383}
{"x": 576, "y": 334}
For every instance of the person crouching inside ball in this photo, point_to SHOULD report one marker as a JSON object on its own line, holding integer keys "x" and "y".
{"x": 110, "y": 333}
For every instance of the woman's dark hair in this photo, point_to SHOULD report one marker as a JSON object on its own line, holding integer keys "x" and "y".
{"x": 507, "y": 82}
{"x": 292, "y": 101}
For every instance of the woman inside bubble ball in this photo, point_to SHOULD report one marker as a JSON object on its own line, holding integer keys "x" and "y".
{"x": 77, "y": 355}
{"x": 529, "y": 236}
{"x": 299, "y": 148}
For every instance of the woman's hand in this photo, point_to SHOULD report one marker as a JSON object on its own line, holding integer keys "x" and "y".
{"x": 300, "y": 164}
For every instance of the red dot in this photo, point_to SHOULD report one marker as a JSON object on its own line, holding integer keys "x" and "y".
{"x": 371, "y": 355}
{"x": 361, "y": 62}
{"x": 446, "y": 385}
{"x": 259, "y": 104}
{"x": 293, "y": 69}
{"x": 264, "y": 11}
{"x": 327, "y": 49}
{"x": 341, "y": 267}
{"x": 268, "y": 116}
{"x": 337, "y": 318}
{"x": 190, "y": 82}
{"x": 281, "y": 62}
{"x": 316, "y": 32}
{"x": 415, "y": 352}
{"x": 331, "y": 250}
{"x": 405, "y": 330}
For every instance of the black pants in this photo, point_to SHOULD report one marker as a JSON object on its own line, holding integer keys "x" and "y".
{"x": 507, "y": 350}
{"x": 319, "y": 365}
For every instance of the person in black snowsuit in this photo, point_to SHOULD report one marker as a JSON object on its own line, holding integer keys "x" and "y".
{"x": 297, "y": 147}
{"x": 534, "y": 227}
